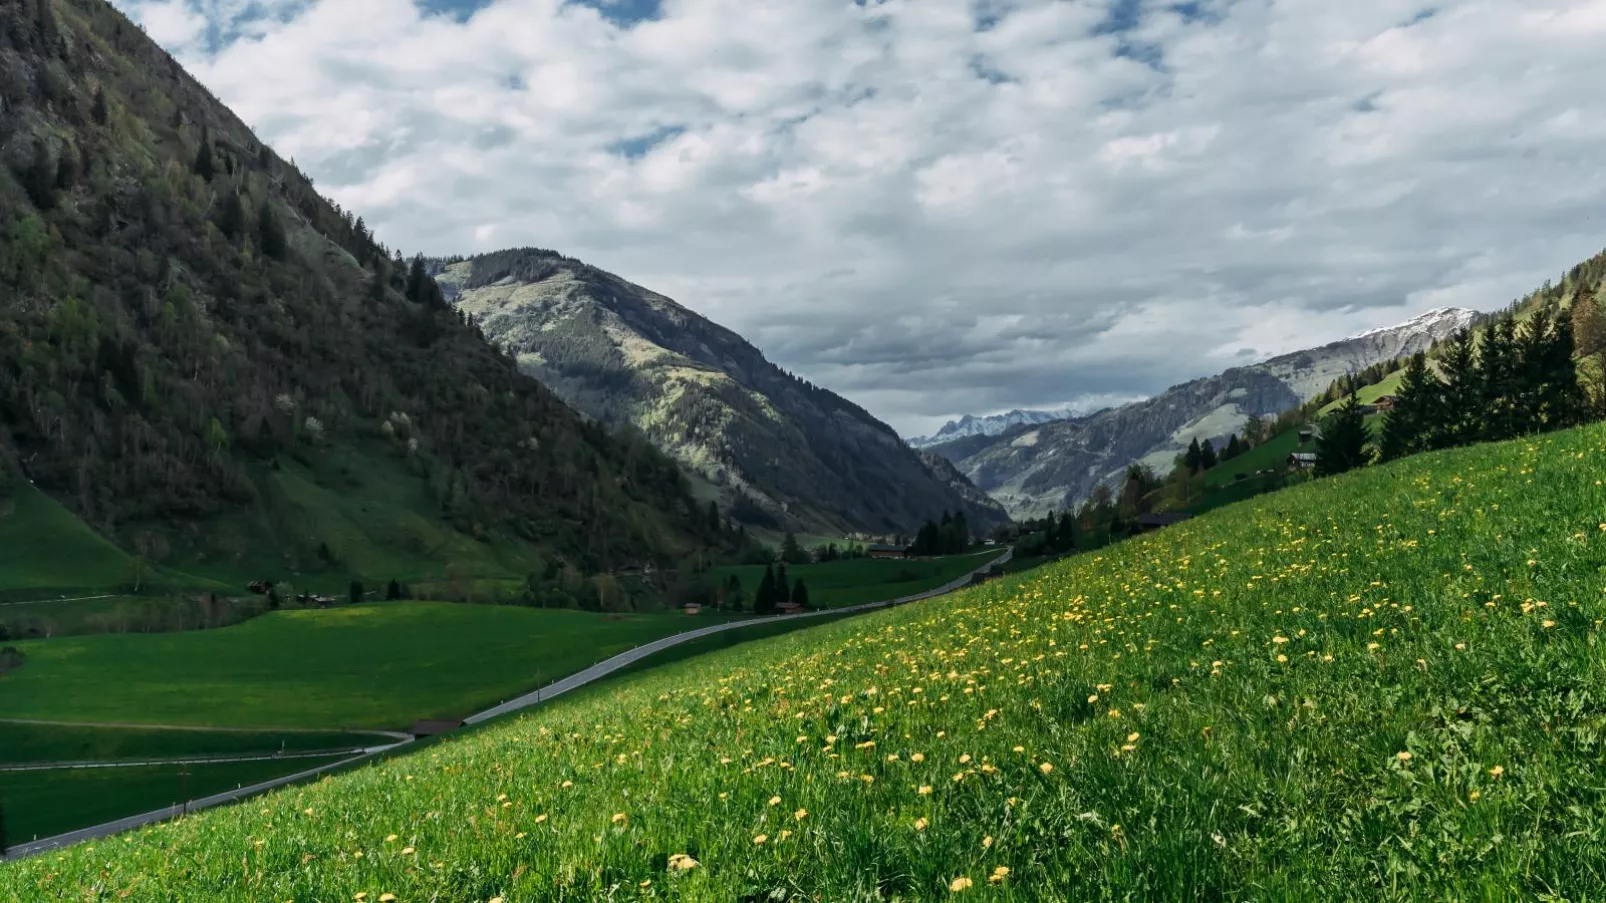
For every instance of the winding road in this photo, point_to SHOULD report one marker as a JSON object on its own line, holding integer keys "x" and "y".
{"x": 544, "y": 694}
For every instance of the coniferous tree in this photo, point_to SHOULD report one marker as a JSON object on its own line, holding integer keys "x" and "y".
{"x": 232, "y": 218}
{"x": 800, "y": 594}
{"x": 393, "y": 591}
{"x": 1193, "y": 458}
{"x": 355, "y": 591}
{"x": 1458, "y": 421}
{"x": 1342, "y": 445}
{"x": 1501, "y": 378}
{"x": 1589, "y": 337}
{"x": 1409, "y": 426}
{"x": 1207, "y": 455}
{"x": 203, "y": 156}
{"x": 271, "y": 232}
{"x": 1067, "y": 532}
{"x": 39, "y": 179}
{"x": 1561, "y": 401}
{"x": 99, "y": 109}
{"x": 764, "y": 601}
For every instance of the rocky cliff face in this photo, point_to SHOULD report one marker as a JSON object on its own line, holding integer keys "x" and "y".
{"x": 775, "y": 451}
{"x": 1032, "y": 470}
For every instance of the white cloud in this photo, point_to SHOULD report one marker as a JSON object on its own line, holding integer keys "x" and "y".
{"x": 935, "y": 214}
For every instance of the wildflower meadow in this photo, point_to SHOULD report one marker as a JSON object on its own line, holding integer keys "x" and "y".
{"x": 1385, "y": 685}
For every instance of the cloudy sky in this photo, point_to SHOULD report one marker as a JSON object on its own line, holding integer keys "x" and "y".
{"x": 946, "y": 206}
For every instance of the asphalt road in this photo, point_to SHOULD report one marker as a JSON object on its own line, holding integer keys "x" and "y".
{"x": 548, "y": 692}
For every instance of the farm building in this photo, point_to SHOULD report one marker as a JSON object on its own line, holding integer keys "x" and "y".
{"x": 1386, "y": 402}
{"x": 881, "y": 550}
{"x": 1302, "y": 460}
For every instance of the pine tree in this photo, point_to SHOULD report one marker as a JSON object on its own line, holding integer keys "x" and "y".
{"x": 1067, "y": 532}
{"x": 783, "y": 584}
{"x": 99, "y": 109}
{"x": 764, "y": 602}
{"x": 203, "y": 156}
{"x": 1458, "y": 421}
{"x": 1193, "y": 458}
{"x": 1207, "y": 455}
{"x": 393, "y": 591}
{"x": 415, "y": 280}
{"x": 1342, "y": 445}
{"x": 1561, "y": 400}
{"x": 232, "y": 219}
{"x": 39, "y": 179}
{"x": 355, "y": 591}
{"x": 1501, "y": 379}
{"x": 1408, "y": 427}
{"x": 271, "y": 232}
{"x": 800, "y": 594}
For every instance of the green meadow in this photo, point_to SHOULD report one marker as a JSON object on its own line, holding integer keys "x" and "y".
{"x": 1380, "y": 686}
{"x": 23, "y": 742}
{"x": 47, "y": 803}
{"x": 379, "y": 665}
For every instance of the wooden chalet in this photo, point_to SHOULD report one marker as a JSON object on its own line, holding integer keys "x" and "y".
{"x": 882, "y": 550}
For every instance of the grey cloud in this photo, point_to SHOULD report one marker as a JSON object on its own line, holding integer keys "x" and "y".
{"x": 865, "y": 204}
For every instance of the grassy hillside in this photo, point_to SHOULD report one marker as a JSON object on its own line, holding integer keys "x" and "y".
{"x": 375, "y": 666}
{"x": 1380, "y": 686}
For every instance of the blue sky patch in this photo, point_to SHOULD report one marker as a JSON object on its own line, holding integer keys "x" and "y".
{"x": 639, "y": 146}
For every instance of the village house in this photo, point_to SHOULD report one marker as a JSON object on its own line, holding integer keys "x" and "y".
{"x": 1386, "y": 402}
{"x": 882, "y": 550}
{"x": 1301, "y": 460}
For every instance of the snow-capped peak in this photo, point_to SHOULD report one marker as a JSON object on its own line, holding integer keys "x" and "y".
{"x": 1438, "y": 319}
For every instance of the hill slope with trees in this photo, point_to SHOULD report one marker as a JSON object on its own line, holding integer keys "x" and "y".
{"x": 206, "y": 360}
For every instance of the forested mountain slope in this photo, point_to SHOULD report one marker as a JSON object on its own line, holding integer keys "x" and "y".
{"x": 205, "y": 359}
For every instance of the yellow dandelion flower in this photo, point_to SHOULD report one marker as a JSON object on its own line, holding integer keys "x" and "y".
{"x": 1046, "y": 767}
{"x": 760, "y": 840}
{"x": 775, "y": 801}
{"x": 680, "y": 862}
{"x": 959, "y": 884}
{"x": 1497, "y": 771}
{"x": 925, "y": 790}
{"x": 540, "y": 818}
{"x": 999, "y": 874}
{"x": 920, "y": 824}
{"x": 800, "y": 814}
{"x": 987, "y": 842}
{"x": 618, "y": 817}
{"x": 407, "y": 851}
{"x": 1403, "y": 755}
{"x": 918, "y": 757}
{"x": 387, "y": 898}
{"x": 783, "y": 835}
{"x": 389, "y": 838}
{"x": 964, "y": 759}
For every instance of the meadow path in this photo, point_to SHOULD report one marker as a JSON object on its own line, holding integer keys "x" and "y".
{"x": 544, "y": 694}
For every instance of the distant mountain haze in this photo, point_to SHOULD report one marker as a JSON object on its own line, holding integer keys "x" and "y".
{"x": 1034, "y": 468}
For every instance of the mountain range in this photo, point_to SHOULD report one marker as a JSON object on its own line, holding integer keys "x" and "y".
{"x": 770, "y": 448}
{"x": 1035, "y": 468}
{"x": 987, "y": 425}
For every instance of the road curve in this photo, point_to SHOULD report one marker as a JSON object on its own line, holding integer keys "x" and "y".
{"x": 544, "y": 694}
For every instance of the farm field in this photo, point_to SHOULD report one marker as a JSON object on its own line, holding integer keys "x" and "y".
{"x": 838, "y": 584}
{"x": 47, "y": 803}
{"x": 1372, "y": 687}
{"x": 380, "y": 665}
{"x": 22, "y": 742}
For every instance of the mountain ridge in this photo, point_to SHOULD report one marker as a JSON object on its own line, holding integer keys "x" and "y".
{"x": 1033, "y": 470}
{"x": 208, "y": 361}
{"x": 771, "y": 449}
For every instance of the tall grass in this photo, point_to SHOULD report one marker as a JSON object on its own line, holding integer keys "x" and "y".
{"x": 1382, "y": 686}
